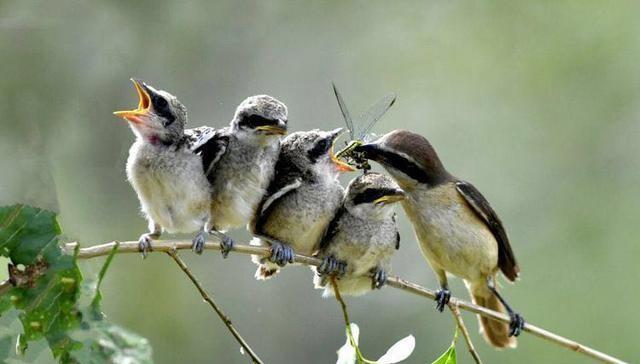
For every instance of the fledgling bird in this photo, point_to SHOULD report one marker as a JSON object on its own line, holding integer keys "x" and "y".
{"x": 163, "y": 169}
{"x": 240, "y": 161}
{"x": 361, "y": 238}
{"x": 301, "y": 200}
{"x": 458, "y": 231}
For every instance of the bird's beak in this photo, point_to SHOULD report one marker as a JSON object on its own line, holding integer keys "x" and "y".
{"x": 279, "y": 129}
{"x": 395, "y": 196}
{"x": 144, "y": 104}
{"x": 342, "y": 166}
{"x": 369, "y": 150}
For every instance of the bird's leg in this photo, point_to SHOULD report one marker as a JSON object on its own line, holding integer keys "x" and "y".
{"x": 144, "y": 243}
{"x": 226, "y": 242}
{"x": 379, "y": 278}
{"x": 516, "y": 323}
{"x": 198, "y": 241}
{"x": 443, "y": 295}
{"x": 332, "y": 266}
{"x": 281, "y": 253}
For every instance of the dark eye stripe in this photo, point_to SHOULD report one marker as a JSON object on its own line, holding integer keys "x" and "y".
{"x": 321, "y": 148}
{"x": 161, "y": 107}
{"x": 254, "y": 121}
{"x": 371, "y": 194}
{"x": 402, "y": 164}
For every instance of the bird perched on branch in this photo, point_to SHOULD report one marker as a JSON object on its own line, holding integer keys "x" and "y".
{"x": 239, "y": 163}
{"x": 163, "y": 169}
{"x": 301, "y": 200}
{"x": 458, "y": 231}
{"x": 362, "y": 237}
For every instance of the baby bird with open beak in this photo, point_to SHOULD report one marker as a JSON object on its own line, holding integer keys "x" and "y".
{"x": 163, "y": 169}
{"x": 300, "y": 201}
{"x": 362, "y": 237}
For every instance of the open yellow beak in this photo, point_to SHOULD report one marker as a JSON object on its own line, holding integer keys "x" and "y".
{"x": 272, "y": 129}
{"x": 341, "y": 165}
{"x": 391, "y": 198}
{"x": 144, "y": 104}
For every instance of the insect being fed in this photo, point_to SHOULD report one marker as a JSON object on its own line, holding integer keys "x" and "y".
{"x": 359, "y": 131}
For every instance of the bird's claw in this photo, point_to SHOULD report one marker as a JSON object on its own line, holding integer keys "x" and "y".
{"x": 442, "y": 298}
{"x": 197, "y": 244}
{"x": 281, "y": 254}
{"x": 144, "y": 245}
{"x": 331, "y": 265}
{"x": 516, "y": 324}
{"x": 226, "y": 245}
{"x": 379, "y": 278}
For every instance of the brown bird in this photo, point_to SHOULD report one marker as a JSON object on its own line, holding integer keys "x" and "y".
{"x": 458, "y": 231}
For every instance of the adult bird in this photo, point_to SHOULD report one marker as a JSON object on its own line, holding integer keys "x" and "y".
{"x": 458, "y": 231}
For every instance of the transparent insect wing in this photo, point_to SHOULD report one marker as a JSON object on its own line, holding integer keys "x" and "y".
{"x": 345, "y": 112}
{"x": 375, "y": 113}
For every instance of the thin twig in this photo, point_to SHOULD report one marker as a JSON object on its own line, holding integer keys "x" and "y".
{"x": 395, "y": 282}
{"x": 173, "y": 254}
{"x": 347, "y": 321}
{"x": 458, "y": 317}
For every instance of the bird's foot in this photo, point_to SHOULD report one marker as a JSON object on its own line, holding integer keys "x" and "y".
{"x": 226, "y": 245}
{"x": 442, "y": 298}
{"x": 330, "y": 265}
{"x": 144, "y": 244}
{"x": 379, "y": 278}
{"x": 516, "y": 324}
{"x": 281, "y": 254}
{"x": 197, "y": 244}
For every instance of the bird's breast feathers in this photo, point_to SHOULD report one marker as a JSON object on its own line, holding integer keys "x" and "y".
{"x": 170, "y": 185}
{"x": 450, "y": 234}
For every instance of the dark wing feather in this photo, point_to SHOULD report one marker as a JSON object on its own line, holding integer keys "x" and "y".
{"x": 332, "y": 229}
{"x": 397, "y": 232}
{"x": 506, "y": 258}
{"x": 210, "y": 144}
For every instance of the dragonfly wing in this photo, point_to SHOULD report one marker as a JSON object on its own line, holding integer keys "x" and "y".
{"x": 344, "y": 110}
{"x": 375, "y": 112}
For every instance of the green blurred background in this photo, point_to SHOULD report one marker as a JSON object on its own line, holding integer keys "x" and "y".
{"x": 536, "y": 103}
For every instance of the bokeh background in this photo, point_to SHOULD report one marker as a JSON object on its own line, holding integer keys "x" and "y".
{"x": 536, "y": 103}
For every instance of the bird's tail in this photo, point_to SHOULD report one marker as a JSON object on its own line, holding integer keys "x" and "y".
{"x": 494, "y": 332}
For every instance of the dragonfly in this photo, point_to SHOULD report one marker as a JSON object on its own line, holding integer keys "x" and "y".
{"x": 360, "y": 130}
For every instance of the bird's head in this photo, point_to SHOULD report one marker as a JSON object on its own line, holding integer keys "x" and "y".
{"x": 159, "y": 118}
{"x": 312, "y": 152}
{"x": 408, "y": 157}
{"x": 372, "y": 195}
{"x": 260, "y": 117}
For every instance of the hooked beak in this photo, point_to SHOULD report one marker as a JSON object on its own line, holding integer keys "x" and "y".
{"x": 395, "y": 196}
{"x": 342, "y": 166}
{"x": 278, "y": 129}
{"x": 144, "y": 104}
{"x": 369, "y": 150}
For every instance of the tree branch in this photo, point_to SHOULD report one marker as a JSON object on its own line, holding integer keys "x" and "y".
{"x": 174, "y": 255}
{"x": 395, "y": 282}
{"x": 458, "y": 317}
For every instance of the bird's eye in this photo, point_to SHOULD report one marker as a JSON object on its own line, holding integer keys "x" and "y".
{"x": 160, "y": 103}
{"x": 324, "y": 145}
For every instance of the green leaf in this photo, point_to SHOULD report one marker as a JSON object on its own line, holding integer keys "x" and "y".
{"x": 47, "y": 278}
{"x": 49, "y": 293}
{"x": 104, "y": 342}
{"x": 448, "y": 357}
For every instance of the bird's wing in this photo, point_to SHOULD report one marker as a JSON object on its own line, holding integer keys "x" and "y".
{"x": 210, "y": 144}
{"x": 397, "y": 232}
{"x": 506, "y": 258}
{"x": 269, "y": 200}
{"x": 332, "y": 230}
